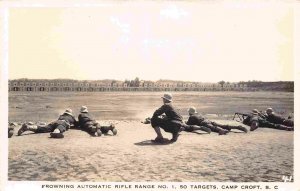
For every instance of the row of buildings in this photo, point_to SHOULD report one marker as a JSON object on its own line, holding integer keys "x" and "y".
{"x": 65, "y": 85}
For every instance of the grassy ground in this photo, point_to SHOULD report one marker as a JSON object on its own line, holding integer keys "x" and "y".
{"x": 139, "y": 105}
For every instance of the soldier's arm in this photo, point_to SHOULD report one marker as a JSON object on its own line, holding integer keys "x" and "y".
{"x": 189, "y": 121}
{"x": 262, "y": 115}
{"x": 159, "y": 111}
{"x": 76, "y": 123}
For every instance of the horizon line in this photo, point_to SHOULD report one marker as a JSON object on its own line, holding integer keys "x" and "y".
{"x": 145, "y": 80}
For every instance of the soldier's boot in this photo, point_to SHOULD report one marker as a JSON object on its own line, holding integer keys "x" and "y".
{"x": 206, "y": 129}
{"x": 175, "y": 136}
{"x": 56, "y": 134}
{"x": 241, "y": 128}
{"x": 98, "y": 130}
{"x": 95, "y": 131}
{"x": 218, "y": 130}
{"x": 283, "y": 127}
{"x": 221, "y": 131}
{"x": 113, "y": 129}
{"x": 27, "y": 127}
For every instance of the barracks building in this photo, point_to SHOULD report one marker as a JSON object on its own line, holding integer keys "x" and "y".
{"x": 62, "y": 85}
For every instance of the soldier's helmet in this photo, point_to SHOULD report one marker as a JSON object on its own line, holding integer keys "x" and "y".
{"x": 192, "y": 110}
{"x": 68, "y": 111}
{"x": 254, "y": 112}
{"x": 269, "y": 111}
{"x": 167, "y": 96}
{"x": 83, "y": 109}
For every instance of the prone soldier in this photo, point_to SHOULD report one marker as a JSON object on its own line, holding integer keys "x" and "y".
{"x": 90, "y": 125}
{"x": 277, "y": 119}
{"x": 257, "y": 119}
{"x": 56, "y": 128}
{"x": 197, "y": 119}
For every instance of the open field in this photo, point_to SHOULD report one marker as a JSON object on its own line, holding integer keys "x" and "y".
{"x": 139, "y": 105}
{"x": 264, "y": 155}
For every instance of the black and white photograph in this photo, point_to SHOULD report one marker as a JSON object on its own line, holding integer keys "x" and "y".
{"x": 149, "y": 95}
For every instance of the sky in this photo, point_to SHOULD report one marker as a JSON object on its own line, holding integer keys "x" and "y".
{"x": 190, "y": 41}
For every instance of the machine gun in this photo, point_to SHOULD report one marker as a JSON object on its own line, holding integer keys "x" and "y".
{"x": 241, "y": 116}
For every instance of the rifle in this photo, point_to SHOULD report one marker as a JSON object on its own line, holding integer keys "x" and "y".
{"x": 240, "y": 115}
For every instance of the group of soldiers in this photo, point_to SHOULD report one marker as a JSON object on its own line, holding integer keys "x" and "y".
{"x": 168, "y": 119}
{"x": 267, "y": 119}
{"x": 66, "y": 121}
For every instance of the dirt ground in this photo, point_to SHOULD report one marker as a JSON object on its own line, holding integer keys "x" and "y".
{"x": 264, "y": 155}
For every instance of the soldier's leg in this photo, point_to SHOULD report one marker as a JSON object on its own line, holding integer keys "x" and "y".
{"x": 106, "y": 129}
{"x": 214, "y": 128}
{"x": 190, "y": 128}
{"x": 27, "y": 127}
{"x": 264, "y": 123}
{"x": 156, "y": 123}
{"x": 283, "y": 127}
{"x": 44, "y": 128}
{"x": 170, "y": 126}
{"x": 98, "y": 129}
{"x": 175, "y": 127}
{"x": 229, "y": 127}
{"x": 92, "y": 129}
{"x": 58, "y": 131}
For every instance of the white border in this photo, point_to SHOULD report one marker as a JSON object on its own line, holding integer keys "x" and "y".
{"x": 29, "y": 185}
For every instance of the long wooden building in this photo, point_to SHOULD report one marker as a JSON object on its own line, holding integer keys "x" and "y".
{"x": 66, "y": 85}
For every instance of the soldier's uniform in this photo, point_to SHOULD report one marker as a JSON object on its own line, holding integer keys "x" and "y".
{"x": 57, "y": 128}
{"x": 90, "y": 125}
{"x": 254, "y": 121}
{"x": 197, "y": 119}
{"x": 61, "y": 125}
{"x": 277, "y": 119}
{"x": 87, "y": 123}
{"x": 70, "y": 119}
{"x": 171, "y": 123}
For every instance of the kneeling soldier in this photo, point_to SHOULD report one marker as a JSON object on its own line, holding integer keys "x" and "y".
{"x": 170, "y": 122}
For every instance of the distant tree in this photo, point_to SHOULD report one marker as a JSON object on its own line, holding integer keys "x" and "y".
{"x": 221, "y": 83}
{"x": 136, "y": 82}
{"x": 127, "y": 82}
{"x": 131, "y": 84}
